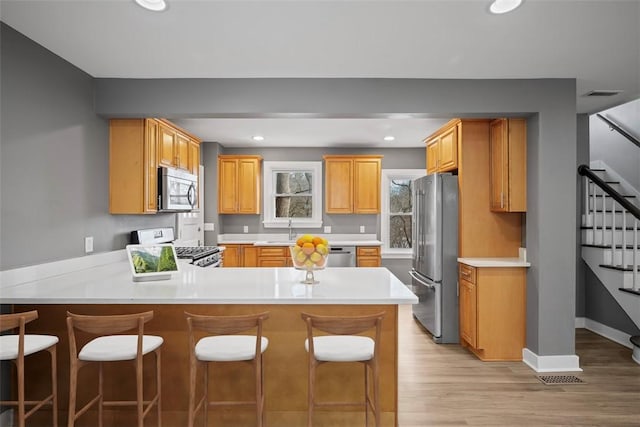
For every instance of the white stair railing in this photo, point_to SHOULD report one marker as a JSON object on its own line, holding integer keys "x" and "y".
{"x": 595, "y": 192}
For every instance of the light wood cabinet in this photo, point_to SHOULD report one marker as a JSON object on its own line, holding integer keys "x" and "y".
{"x": 194, "y": 157}
{"x": 239, "y": 179}
{"x": 352, "y": 184}
{"x": 176, "y": 148}
{"x": 133, "y": 173}
{"x": 442, "y": 149}
{"x": 239, "y": 255}
{"x": 508, "y": 179}
{"x": 368, "y": 256}
{"x": 137, "y": 147}
{"x": 493, "y": 311}
{"x": 274, "y": 256}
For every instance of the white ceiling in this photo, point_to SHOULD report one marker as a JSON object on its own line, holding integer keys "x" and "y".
{"x": 595, "y": 41}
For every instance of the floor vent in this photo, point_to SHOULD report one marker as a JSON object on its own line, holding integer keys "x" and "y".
{"x": 560, "y": 379}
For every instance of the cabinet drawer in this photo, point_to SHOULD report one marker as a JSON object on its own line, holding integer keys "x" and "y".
{"x": 368, "y": 251}
{"x": 273, "y": 251}
{"x": 467, "y": 273}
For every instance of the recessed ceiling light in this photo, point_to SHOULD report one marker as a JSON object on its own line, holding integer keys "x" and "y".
{"x": 389, "y": 138}
{"x": 504, "y": 6}
{"x": 258, "y": 138}
{"x": 154, "y": 5}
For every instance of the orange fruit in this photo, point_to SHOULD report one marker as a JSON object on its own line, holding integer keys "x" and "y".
{"x": 316, "y": 241}
{"x": 308, "y": 248}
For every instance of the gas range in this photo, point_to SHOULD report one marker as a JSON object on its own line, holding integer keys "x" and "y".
{"x": 201, "y": 256}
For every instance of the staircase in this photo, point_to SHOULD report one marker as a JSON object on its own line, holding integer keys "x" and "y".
{"x": 610, "y": 235}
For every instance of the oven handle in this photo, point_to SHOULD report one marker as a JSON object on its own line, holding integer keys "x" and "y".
{"x": 418, "y": 279}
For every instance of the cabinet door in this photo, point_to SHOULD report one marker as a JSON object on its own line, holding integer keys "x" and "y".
{"x": 433, "y": 155}
{"x": 231, "y": 256}
{"x": 498, "y": 164}
{"x": 339, "y": 186}
{"x": 448, "y": 150}
{"x": 227, "y": 186}
{"x": 151, "y": 165}
{"x": 249, "y": 256}
{"x": 166, "y": 146}
{"x": 182, "y": 151}
{"x": 368, "y": 262}
{"x": 468, "y": 312}
{"x": 272, "y": 262}
{"x": 366, "y": 194}
{"x": 248, "y": 186}
{"x": 194, "y": 157}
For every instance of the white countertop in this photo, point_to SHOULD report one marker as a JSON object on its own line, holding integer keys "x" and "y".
{"x": 495, "y": 262}
{"x": 112, "y": 284}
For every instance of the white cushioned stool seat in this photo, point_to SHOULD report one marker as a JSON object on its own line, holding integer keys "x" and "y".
{"x": 342, "y": 348}
{"x": 112, "y": 348}
{"x": 228, "y": 348}
{"x": 32, "y": 344}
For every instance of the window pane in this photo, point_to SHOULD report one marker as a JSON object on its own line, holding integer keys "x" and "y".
{"x": 400, "y": 195}
{"x": 400, "y": 231}
{"x": 293, "y": 182}
{"x": 293, "y": 206}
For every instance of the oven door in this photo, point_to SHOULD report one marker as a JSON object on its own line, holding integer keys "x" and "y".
{"x": 178, "y": 190}
{"x": 428, "y": 310}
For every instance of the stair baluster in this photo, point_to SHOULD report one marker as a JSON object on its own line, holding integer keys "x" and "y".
{"x": 604, "y": 221}
{"x": 624, "y": 238}
{"x": 614, "y": 248}
{"x": 635, "y": 255}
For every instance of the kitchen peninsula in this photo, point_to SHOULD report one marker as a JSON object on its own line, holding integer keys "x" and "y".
{"x": 109, "y": 289}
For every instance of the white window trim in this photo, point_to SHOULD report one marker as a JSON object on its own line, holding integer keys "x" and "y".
{"x": 270, "y": 221}
{"x": 387, "y": 176}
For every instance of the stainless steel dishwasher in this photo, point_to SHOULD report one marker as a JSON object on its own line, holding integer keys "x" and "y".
{"x": 342, "y": 256}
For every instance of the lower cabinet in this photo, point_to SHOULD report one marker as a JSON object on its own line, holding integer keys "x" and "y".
{"x": 493, "y": 311}
{"x": 237, "y": 255}
{"x": 274, "y": 256}
{"x": 368, "y": 256}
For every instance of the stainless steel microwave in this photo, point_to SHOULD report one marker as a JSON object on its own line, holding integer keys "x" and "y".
{"x": 177, "y": 190}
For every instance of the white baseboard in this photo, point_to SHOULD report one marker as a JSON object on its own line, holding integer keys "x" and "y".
{"x": 561, "y": 363}
{"x": 605, "y": 331}
{"x": 6, "y": 418}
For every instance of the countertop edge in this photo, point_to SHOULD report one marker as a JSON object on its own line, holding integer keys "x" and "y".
{"x": 495, "y": 262}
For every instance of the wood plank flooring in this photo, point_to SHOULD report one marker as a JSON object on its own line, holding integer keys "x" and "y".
{"x": 445, "y": 385}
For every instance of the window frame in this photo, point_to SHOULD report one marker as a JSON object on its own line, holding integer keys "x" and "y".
{"x": 270, "y": 169}
{"x": 387, "y": 176}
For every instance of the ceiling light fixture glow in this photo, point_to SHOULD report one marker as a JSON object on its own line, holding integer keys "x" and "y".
{"x": 258, "y": 138}
{"x": 153, "y": 5}
{"x": 503, "y": 6}
{"x": 389, "y": 138}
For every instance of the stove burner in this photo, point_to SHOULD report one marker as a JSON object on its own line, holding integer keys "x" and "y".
{"x": 195, "y": 252}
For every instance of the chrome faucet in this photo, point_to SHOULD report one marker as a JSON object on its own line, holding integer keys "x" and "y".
{"x": 292, "y": 234}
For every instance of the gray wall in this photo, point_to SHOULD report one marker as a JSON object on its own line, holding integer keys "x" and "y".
{"x": 54, "y": 161}
{"x": 582, "y": 158}
{"x": 614, "y": 149}
{"x": 549, "y": 103}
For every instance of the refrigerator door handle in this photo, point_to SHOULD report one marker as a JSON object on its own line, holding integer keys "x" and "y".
{"x": 422, "y": 282}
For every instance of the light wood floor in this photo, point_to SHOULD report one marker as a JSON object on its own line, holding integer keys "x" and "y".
{"x": 444, "y": 385}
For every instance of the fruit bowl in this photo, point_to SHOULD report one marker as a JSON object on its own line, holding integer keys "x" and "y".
{"x": 309, "y": 253}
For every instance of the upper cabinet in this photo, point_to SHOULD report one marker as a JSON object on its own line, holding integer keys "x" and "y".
{"x": 442, "y": 148}
{"x": 136, "y": 148}
{"x": 352, "y": 184}
{"x": 239, "y": 181}
{"x": 508, "y": 178}
{"x": 174, "y": 148}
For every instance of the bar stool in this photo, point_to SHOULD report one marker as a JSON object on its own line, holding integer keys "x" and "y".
{"x": 15, "y": 348}
{"x": 107, "y": 347}
{"x": 343, "y": 345}
{"x": 218, "y": 342}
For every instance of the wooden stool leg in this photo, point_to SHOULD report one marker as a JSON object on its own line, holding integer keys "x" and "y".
{"x": 159, "y": 386}
{"x": 73, "y": 385}
{"x": 376, "y": 392}
{"x": 205, "y": 402}
{"x": 193, "y": 367}
{"x": 312, "y": 379}
{"x": 366, "y": 394}
{"x": 20, "y": 375}
{"x": 258, "y": 373}
{"x": 139, "y": 393}
{"x": 54, "y": 386}
{"x": 100, "y": 394}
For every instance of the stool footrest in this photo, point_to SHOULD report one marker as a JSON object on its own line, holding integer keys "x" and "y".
{"x": 340, "y": 404}
{"x": 232, "y": 403}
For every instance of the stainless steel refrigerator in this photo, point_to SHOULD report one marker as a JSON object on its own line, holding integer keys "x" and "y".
{"x": 435, "y": 251}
